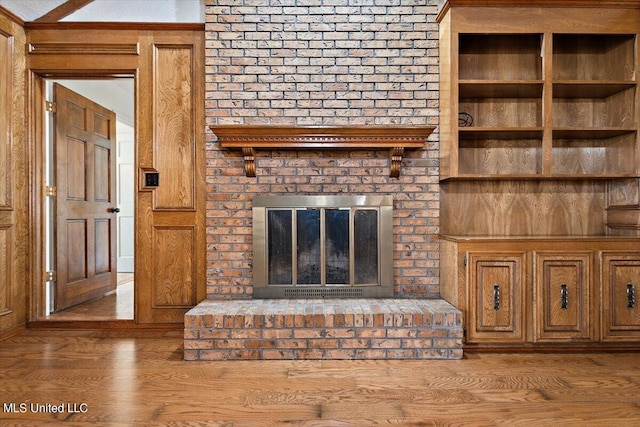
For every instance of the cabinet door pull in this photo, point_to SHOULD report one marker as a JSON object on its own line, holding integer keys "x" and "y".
{"x": 564, "y": 296}
{"x": 496, "y": 297}
{"x": 631, "y": 296}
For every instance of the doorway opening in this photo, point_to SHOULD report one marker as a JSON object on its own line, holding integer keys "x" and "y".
{"x": 89, "y": 257}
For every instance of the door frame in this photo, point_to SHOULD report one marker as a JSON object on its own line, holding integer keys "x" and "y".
{"x": 37, "y": 134}
{"x": 141, "y": 51}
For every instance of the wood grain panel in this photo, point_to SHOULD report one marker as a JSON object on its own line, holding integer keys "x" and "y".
{"x": 102, "y": 162}
{"x": 522, "y": 156}
{"x": 76, "y": 170}
{"x": 76, "y": 250}
{"x": 171, "y": 140}
{"x": 496, "y": 303}
{"x": 6, "y": 269}
{"x": 6, "y": 92}
{"x": 76, "y": 116}
{"x": 101, "y": 126}
{"x": 562, "y": 284}
{"x": 174, "y": 272}
{"x": 621, "y": 296}
{"x": 102, "y": 230}
{"x": 523, "y": 208}
{"x": 448, "y": 90}
{"x": 174, "y": 148}
{"x": 15, "y": 230}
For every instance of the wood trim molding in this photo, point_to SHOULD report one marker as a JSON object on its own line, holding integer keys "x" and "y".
{"x": 121, "y": 26}
{"x": 12, "y": 16}
{"x": 544, "y": 3}
{"x": 84, "y": 48}
{"x": 622, "y": 4}
{"x": 396, "y": 139}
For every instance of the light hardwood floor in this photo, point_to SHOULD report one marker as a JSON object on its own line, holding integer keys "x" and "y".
{"x": 126, "y": 378}
{"x": 115, "y": 306}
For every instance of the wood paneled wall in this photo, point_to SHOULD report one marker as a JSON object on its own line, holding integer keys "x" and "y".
{"x": 13, "y": 177}
{"x": 524, "y": 208}
{"x": 167, "y": 62}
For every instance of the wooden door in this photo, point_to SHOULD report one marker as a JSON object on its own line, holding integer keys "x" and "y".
{"x": 620, "y": 305}
{"x": 85, "y": 181}
{"x": 170, "y": 229}
{"x": 496, "y": 303}
{"x": 563, "y": 284}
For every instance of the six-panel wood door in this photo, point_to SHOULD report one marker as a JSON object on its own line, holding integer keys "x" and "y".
{"x": 562, "y": 296}
{"x": 620, "y": 315}
{"x": 496, "y": 297}
{"x": 85, "y": 180}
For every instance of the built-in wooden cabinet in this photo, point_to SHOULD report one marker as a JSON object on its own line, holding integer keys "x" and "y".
{"x": 540, "y": 171}
{"x": 496, "y": 291}
{"x": 562, "y": 287}
{"x": 620, "y": 285}
{"x": 540, "y": 292}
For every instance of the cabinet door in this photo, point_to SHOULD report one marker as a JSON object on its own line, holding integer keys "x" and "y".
{"x": 620, "y": 284}
{"x": 496, "y": 298}
{"x": 562, "y": 288}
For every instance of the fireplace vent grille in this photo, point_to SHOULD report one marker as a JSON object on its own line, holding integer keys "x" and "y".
{"x": 323, "y": 293}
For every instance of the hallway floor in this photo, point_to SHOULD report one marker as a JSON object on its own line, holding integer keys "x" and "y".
{"x": 115, "y": 306}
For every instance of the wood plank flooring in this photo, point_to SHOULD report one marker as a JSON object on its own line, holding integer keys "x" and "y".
{"x": 139, "y": 378}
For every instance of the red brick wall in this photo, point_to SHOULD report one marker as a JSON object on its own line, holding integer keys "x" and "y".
{"x": 322, "y": 62}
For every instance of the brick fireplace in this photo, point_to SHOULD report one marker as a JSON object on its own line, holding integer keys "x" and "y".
{"x": 322, "y": 63}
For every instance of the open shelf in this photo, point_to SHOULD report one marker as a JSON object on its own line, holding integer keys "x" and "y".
{"x": 542, "y": 105}
{"x": 491, "y": 157}
{"x": 590, "y": 89}
{"x": 500, "y": 56}
{"x": 603, "y": 153}
{"x": 594, "y": 57}
{"x": 615, "y": 109}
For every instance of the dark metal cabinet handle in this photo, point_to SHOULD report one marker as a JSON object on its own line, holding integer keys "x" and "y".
{"x": 114, "y": 210}
{"x": 631, "y": 296}
{"x": 564, "y": 296}
{"x": 496, "y": 297}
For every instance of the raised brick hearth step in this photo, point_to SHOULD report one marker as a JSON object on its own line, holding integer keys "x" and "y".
{"x": 323, "y": 329}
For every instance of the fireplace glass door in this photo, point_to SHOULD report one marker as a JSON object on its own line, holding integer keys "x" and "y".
{"x": 322, "y": 245}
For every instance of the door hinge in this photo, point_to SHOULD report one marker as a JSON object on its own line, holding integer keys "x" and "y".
{"x": 50, "y": 276}
{"x": 51, "y": 106}
{"x": 51, "y": 191}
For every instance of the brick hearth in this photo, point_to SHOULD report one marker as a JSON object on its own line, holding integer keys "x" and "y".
{"x": 323, "y": 329}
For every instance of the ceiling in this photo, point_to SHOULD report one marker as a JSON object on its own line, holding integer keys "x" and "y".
{"x": 109, "y": 10}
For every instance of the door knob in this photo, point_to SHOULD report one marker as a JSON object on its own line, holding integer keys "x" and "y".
{"x": 114, "y": 210}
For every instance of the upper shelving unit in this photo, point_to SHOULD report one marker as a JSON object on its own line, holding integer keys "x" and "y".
{"x": 521, "y": 98}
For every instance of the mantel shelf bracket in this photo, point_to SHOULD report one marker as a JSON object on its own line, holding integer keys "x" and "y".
{"x": 249, "y": 161}
{"x": 249, "y": 139}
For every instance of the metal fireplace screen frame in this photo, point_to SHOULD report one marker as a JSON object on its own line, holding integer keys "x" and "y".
{"x": 326, "y": 247}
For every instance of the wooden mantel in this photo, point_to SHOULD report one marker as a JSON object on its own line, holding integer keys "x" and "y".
{"x": 396, "y": 139}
